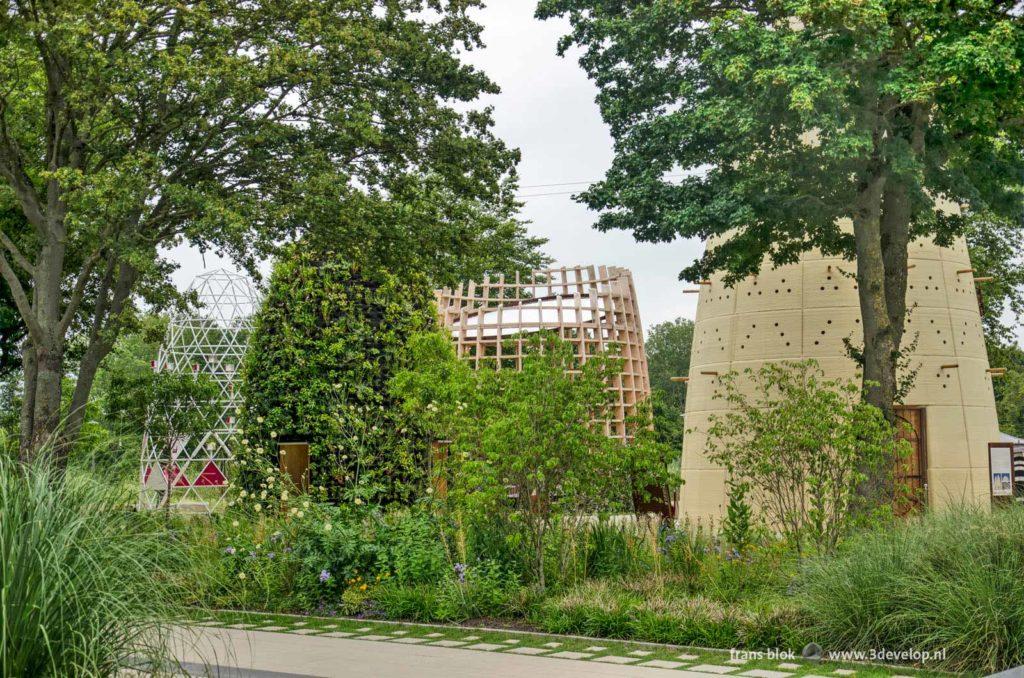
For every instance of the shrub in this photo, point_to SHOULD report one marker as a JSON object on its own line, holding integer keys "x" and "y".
{"x": 327, "y": 339}
{"x": 650, "y": 612}
{"x": 83, "y": 589}
{"x": 803, "y": 447}
{"x": 950, "y": 581}
{"x": 529, "y": 442}
{"x": 468, "y": 591}
{"x": 412, "y": 550}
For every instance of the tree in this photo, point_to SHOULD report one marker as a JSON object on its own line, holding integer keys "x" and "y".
{"x": 799, "y": 125}
{"x": 531, "y": 440}
{"x": 129, "y": 127}
{"x": 668, "y": 346}
{"x": 328, "y": 338}
{"x": 179, "y": 405}
{"x": 801, "y": 447}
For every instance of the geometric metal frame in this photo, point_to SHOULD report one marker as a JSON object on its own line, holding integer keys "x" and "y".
{"x": 593, "y": 308}
{"x": 211, "y": 340}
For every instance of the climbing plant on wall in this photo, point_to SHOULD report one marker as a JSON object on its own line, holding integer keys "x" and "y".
{"x": 328, "y": 338}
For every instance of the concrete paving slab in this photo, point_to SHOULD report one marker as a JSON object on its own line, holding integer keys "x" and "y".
{"x": 614, "y": 659}
{"x": 527, "y": 650}
{"x": 712, "y": 668}
{"x": 572, "y": 655}
{"x": 325, "y": 657}
{"x": 487, "y": 647}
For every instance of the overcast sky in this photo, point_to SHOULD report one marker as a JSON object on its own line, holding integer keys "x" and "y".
{"x": 546, "y": 109}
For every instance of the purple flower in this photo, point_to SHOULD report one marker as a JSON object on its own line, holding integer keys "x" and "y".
{"x": 324, "y": 576}
{"x": 270, "y": 555}
{"x": 230, "y": 550}
{"x": 460, "y": 570}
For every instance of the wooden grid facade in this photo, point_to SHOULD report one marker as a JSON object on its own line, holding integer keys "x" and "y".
{"x": 593, "y": 307}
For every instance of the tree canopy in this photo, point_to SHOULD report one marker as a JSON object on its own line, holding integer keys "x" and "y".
{"x": 129, "y": 127}
{"x": 771, "y": 127}
{"x": 668, "y": 346}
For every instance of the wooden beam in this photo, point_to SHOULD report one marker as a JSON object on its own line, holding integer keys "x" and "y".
{"x": 951, "y": 366}
{"x": 679, "y": 380}
{"x": 987, "y": 278}
{"x": 710, "y": 373}
{"x": 965, "y": 270}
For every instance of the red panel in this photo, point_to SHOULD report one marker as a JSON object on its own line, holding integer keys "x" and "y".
{"x": 211, "y": 476}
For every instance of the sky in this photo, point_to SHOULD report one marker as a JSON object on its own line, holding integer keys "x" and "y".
{"x": 546, "y": 109}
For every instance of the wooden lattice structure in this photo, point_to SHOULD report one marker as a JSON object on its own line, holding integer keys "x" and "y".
{"x": 593, "y": 307}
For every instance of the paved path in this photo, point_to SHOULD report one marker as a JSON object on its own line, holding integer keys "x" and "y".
{"x": 233, "y": 653}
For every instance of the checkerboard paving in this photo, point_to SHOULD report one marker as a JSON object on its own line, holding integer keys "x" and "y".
{"x": 573, "y": 648}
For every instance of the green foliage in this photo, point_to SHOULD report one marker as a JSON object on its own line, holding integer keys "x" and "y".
{"x": 765, "y": 129}
{"x": 327, "y": 340}
{"x": 643, "y": 611}
{"x": 82, "y": 578}
{"x": 948, "y": 582}
{"x": 996, "y": 251}
{"x": 12, "y": 328}
{"x": 925, "y": 95}
{"x": 537, "y": 430}
{"x": 668, "y": 347}
{"x": 231, "y": 127}
{"x": 739, "y": 517}
{"x": 804, "y": 446}
{"x": 413, "y": 551}
{"x": 179, "y": 405}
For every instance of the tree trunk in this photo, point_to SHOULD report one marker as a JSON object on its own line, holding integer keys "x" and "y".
{"x": 87, "y": 369}
{"x": 28, "y": 402}
{"x": 47, "y": 418}
{"x": 895, "y": 238}
{"x": 879, "y": 339}
{"x": 49, "y": 345}
{"x": 106, "y": 327}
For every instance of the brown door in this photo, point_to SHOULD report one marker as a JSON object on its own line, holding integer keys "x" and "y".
{"x": 911, "y": 471}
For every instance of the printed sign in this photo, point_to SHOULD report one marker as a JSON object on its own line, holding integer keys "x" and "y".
{"x": 1001, "y": 465}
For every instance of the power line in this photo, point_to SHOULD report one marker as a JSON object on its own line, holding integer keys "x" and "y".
{"x": 544, "y": 195}
{"x": 571, "y": 183}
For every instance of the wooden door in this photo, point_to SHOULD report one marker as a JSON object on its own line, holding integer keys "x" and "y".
{"x": 911, "y": 473}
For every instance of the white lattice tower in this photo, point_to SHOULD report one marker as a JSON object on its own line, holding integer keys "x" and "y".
{"x": 211, "y": 340}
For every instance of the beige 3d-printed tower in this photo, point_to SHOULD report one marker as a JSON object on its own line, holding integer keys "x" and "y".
{"x": 593, "y": 307}
{"x": 805, "y": 310}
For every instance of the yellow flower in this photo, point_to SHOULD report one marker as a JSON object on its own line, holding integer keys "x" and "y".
{"x": 363, "y": 587}
{"x": 327, "y": 527}
{"x": 241, "y": 575}
{"x": 284, "y": 495}
{"x": 258, "y": 508}
{"x": 234, "y": 523}
{"x": 294, "y": 511}
{"x": 305, "y": 504}
{"x": 243, "y": 493}
{"x": 300, "y": 514}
